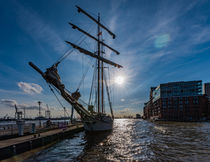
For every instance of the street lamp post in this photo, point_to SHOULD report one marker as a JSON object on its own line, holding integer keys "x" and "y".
{"x": 39, "y": 102}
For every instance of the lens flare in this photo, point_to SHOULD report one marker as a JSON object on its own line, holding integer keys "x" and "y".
{"x": 162, "y": 40}
{"x": 119, "y": 80}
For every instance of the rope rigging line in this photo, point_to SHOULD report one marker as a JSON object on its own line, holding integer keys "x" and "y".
{"x": 92, "y": 84}
{"x": 58, "y": 99}
{"x": 108, "y": 95}
{"x": 56, "y": 96}
{"x": 67, "y": 113}
{"x": 84, "y": 75}
{"x": 83, "y": 102}
{"x": 79, "y": 99}
{"x": 68, "y": 52}
{"x": 51, "y": 88}
{"x": 109, "y": 82}
{"x": 95, "y": 85}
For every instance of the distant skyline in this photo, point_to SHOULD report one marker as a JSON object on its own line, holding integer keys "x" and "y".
{"x": 159, "y": 42}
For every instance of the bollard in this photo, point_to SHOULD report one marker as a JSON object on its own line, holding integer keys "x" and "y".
{"x": 20, "y": 124}
{"x": 12, "y": 130}
{"x": 30, "y": 145}
{"x": 14, "y": 149}
{"x": 33, "y": 128}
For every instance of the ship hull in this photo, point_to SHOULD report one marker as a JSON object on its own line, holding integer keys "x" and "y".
{"x": 99, "y": 125}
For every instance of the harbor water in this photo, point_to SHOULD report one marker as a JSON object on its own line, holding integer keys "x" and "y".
{"x": 135, "y": 140}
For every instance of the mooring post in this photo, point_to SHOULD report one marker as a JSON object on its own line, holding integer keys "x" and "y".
{"x": 14, "y": 149}
{"x": 30, "y": 142}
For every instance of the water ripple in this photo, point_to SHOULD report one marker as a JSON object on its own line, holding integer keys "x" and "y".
{"x": 135, "y": 140}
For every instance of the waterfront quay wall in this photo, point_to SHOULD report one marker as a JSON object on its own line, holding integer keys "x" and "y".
{"x": 15, "y": 146}
{"x": 193, "y": 108}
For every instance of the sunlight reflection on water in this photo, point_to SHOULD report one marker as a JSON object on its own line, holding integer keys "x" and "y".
{"x": 133, "y": 139}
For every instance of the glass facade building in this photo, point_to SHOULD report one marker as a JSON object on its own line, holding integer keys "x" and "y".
{"x": 178, "y": 89}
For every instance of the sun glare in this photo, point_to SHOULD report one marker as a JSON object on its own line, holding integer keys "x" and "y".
{"x": 119, "y": 80}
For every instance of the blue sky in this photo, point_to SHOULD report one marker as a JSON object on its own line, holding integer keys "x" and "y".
{"x": 159, "y": 41}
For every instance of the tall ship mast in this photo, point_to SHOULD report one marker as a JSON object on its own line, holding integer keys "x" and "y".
{"x": 94, "y": 116}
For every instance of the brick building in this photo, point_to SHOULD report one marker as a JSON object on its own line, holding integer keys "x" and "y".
{"x": 180, "y": 101}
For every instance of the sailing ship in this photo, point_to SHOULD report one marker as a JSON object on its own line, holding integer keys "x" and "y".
{"x": 94, "y": 116}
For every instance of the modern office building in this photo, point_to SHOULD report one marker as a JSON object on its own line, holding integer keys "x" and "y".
{"x": 180, "y": 101}
{"x": 206, "y": 89}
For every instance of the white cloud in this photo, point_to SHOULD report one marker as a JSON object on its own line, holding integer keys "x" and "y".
{"x": 11, "y": 103}
{"x": 8, "y": 102}
{"x": 30, "y": 88}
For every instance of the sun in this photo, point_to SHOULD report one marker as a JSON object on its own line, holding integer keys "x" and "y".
{"x": 119, "y": 80}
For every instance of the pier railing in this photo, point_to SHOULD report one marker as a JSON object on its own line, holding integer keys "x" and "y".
{"x": 12, "y": 129}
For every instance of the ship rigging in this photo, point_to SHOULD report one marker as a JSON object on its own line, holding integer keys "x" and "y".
{"x": 94, "y": 120}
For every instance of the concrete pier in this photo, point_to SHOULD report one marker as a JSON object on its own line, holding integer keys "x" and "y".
{"x": 14, "y": 146}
